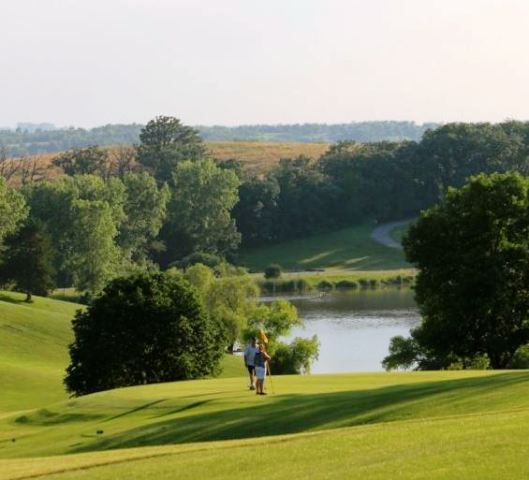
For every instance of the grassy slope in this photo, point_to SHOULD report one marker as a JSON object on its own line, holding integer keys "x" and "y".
{"x": 256, "y": 157}
{"x": 431, "y": 424}
{"x": 478, "y": 447}
{"x": 33, "y": 350}
{"x": 262, "y": 156}
{"x": 222, "y": 409}
{"x": 347, "y": 249}
{"x": 400, "y": 425}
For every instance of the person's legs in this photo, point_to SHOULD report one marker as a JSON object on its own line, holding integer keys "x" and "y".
{"x": 251, "y": 373}
{"x": 260, "y": 379}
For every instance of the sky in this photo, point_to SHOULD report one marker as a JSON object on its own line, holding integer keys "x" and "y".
{"x": 232, "y": 62}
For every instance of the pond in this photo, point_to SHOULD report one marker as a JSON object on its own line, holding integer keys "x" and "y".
{"x": 354, "y": 329}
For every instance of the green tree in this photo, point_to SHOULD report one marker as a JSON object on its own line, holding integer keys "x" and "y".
{"x": 472, "y": 253}
{"x": 200, "y": 210}
{"x": 165, "y": 142}
{"x": 82, "y": 215}
{"x": 277, "y": 320}
{"x": 13, "y": 209}
{"x": 94, "y": 256}
{"x": 230, "y": 299}
{"x": 142, "y": 329}
{"x": 28, "y": 261}
{"x": 272, "y": 271}
{"x": 145, "y": 211}
{"x": 83, "y": 161}
{"x": 297, "y": 357}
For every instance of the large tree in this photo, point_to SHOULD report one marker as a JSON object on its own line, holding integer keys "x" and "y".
{"x": 83, "y": 215}
{"x": 145, "y": 210}
{"x": 13, "y": 209}
{"x": 28, "y": 261}
{"x": 472, "y": 253}
{"x": 143, "y": 329}
{"x": 83, "y": 161}
{"x": 94, "y": 256}
{"x": 200, "y": 210}
{"x": 165, "y": 142}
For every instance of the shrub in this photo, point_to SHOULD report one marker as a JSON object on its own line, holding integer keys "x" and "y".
{"x": 325, "y": 286}
{"x": 143, "y": 329}
{"x": 346, "y": 285}
{"x": 520, "y": 358}
{"x": 295, "y": 358}
{"x": 479, "y": 362}
{"x": 302, "y": 285}
{"x": 208, "y": 259}
{"x": 272, "y": 271}
{"x": 363, "y": 283}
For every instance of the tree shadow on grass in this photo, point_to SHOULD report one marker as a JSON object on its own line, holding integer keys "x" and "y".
{"x": 9, "y": 299}
{"x": 299, "y": 413}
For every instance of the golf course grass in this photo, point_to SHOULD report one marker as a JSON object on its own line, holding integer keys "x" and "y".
{"x": 435, "y": 425}
{"x": 347, "y": 249}
{"x": 34, "y": 339}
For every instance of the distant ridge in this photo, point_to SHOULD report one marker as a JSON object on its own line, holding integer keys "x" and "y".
{"x": 31, "y": 140}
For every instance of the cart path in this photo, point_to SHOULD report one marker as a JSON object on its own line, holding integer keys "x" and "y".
{"x": 382, "y": 234}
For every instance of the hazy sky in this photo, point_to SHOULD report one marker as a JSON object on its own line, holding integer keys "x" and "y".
{"x": 90, "y": 62}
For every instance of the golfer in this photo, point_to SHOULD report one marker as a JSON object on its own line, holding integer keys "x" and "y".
{"x": 261, "y": 358}
{"x": 249, "y": 360}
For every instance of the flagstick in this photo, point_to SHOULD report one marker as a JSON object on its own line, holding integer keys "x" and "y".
{"x": 270, "y": 375}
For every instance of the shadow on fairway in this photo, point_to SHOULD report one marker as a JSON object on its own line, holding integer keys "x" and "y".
{"x": 299, "y": 413}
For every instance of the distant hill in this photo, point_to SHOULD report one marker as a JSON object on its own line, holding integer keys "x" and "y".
{"x": 33, "y": 140}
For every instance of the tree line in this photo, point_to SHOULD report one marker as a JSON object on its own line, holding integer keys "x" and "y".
{"x": 163, "y": 202}
{"x": 353, "y": 183}
{"x": 28, "y": 139}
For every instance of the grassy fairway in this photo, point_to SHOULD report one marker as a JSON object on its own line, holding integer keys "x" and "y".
{"x": 425, "y": 425}
{"x": 347, "y": 249}
{"x": 489, "y": 447}
{"x": 431, "y": 425}
{"x": 222, "y": 409}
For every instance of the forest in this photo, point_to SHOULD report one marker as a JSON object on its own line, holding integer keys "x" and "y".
{"x": 30, "y": 139}
{"x": 164, "y": 202}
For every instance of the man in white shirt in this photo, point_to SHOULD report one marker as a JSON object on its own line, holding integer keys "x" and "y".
{"x": 249, "y": 357}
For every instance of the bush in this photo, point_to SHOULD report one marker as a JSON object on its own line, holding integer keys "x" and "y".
{"x": 520, "y": 358}
{"x": 479, "y": 362}
{"x": 208, "y": 259}
{"x": 272, "y": 271}
{"x": 363, "y": 283}
{"x": 295, "y": 358}
{"x": 325, "y": 286}
{"x": 302, "y": 285}
{"x": 143, "y": 329}
{"x": 346, "y": 285}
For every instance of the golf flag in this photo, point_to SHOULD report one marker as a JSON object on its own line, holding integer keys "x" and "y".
{"x": 262, "y": 337}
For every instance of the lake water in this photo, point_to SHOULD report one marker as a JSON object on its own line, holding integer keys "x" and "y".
{"x": 354, "y": 329}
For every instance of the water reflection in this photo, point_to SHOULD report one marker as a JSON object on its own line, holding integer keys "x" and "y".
{"x": 354, "y": 329}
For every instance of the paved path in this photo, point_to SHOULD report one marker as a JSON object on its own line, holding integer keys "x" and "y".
{"x": 381, "y": 234}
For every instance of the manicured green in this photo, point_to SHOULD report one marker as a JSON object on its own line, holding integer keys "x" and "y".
{"x": 347, "y": 249}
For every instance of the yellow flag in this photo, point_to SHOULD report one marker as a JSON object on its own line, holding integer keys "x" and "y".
{"x": 263, "y": 338}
